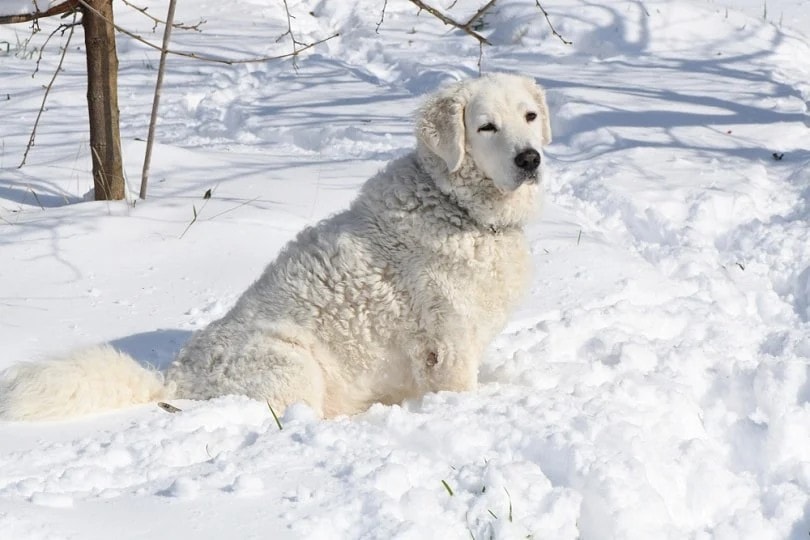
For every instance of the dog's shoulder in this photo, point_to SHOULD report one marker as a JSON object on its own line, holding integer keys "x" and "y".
{"x": 405, "y": 195}
{"x": 398, "y": 187}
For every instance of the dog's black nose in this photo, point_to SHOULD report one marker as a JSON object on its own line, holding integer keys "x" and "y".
{"x": 528, "y": 160}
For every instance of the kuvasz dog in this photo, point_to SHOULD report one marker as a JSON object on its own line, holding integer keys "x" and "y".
{"x": 395, "y": 297}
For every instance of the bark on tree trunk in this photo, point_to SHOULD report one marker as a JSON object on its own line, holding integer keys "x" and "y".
{"x": 102, "y": 100}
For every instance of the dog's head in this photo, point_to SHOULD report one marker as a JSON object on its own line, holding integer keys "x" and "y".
{"x": 497, "y": 124}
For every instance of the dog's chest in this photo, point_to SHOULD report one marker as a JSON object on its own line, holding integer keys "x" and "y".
{"x": 489, "y": 273}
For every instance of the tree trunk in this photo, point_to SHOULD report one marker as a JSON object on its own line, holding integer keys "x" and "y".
{"x": 102, "y": 100}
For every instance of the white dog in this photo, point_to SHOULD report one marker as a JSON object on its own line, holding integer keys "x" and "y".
{"x": 397, "y": 296}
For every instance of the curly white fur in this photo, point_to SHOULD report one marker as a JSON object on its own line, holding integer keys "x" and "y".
{"x": 397, "y": 296}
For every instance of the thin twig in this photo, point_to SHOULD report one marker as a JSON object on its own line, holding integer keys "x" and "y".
{"x": 193, "y": 220}
{"x": 36, "y": 198}
{"x": 47, "y": 91}
{"x": 196, "y": 213}
{"x": 205, "y": 58}
{"x": 466, "y": 27}
{"x": 167, "y": 33}
{"x": 480, "y": 13}
{"x": 289, "y": 32}
{"x": 63, "y": 28}
{"x": 382, "y": 17}
{"x": 551, "y": 26}
{"x": 510, "y": 503}
{"x": 240, "y": 205}
{"x": 179, "y": 26}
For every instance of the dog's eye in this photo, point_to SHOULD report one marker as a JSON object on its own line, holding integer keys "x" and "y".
{"x": 488, "y": 127}
{"x": 530, "y": 116}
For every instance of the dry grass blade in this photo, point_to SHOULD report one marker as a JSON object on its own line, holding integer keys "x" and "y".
{"x": 448, "y": 488}
{"x": 275, "y": 416}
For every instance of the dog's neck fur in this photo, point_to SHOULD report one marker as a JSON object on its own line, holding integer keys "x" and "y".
{"x": 477, "y": 196}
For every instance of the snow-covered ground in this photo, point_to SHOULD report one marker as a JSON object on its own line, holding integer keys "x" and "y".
{"x": 654, "y": 384}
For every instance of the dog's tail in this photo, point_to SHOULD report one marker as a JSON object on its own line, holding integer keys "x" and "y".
{"x": 87, "y": 381}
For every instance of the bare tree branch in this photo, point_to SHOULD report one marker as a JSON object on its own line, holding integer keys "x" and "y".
{"x": 157, "y": 21}
{"x": 289, "y": 32}
{"x": 466, "y": 27}
{"x": 480, "y": 13}
{"x": 61, "y": 28}
{"x": 47, "y": 91}
{"x": 64, "y": 7}
{"x": 551, "y": 26}
{"x": 206, "y": 58}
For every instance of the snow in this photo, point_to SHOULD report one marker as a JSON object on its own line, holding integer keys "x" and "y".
{"x": 655, "y": 383}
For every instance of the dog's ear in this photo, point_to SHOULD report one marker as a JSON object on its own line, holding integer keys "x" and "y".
{"x": 441, "y": 125}
{"x": 540, "y": 97}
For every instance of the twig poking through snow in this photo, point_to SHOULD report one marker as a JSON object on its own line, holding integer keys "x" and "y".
{"x": 168, "y": 407}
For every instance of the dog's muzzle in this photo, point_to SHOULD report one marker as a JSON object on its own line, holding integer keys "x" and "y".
{"x": 528, "y": 162}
